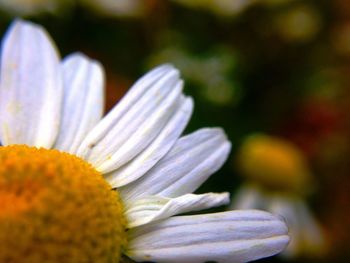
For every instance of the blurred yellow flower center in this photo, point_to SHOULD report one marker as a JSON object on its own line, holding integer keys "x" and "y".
{"x": 55, "y": 207}
{"x": 274, "y": 163}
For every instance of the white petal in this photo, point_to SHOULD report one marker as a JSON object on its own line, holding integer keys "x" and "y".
{"x": 249, "y": 197}
{"x": 83, "y": 81}
{"x": 156, "y": 150}
{"x": 152, "y": 208}
{"x": 134, "y": 122}
{"x": 236, "y": 236}
{"x": 187, "y": 165}
{"x": 31, "y": 87}
{"x": 136, "y": 141}
{"x": 133, "y": 96}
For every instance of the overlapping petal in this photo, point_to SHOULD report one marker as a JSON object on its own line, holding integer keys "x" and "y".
{"x": 152, "y": 208}
{"x": 189, "y": 163}
{"x": 83, "y": 102}
{"x": 135, "y": 122}
{"x": 144, "y": 161}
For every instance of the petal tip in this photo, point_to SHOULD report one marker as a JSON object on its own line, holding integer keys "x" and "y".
{"x": 20, "y": 24}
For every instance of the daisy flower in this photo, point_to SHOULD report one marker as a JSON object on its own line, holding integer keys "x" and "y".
{"x": 278, "y": 179}
{"x": 76, "y": 187}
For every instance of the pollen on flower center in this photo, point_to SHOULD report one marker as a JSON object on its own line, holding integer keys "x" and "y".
{"x": 55, "y": 207}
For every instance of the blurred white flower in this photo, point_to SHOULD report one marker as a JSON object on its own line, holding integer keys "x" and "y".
{"x": 306, "y": 234}
{"x": 277, "y": 179}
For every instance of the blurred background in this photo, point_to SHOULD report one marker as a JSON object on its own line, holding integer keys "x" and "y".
{"x": 275, "y": 74}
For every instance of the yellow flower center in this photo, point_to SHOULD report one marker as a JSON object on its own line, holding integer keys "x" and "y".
{"x": 55, "y": 207}
{"x": 274, "y": 163}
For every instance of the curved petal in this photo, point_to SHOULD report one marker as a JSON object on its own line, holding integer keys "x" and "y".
{"x": 187, "y": 165}
{"x": 30, "y": 87}
{"x": 133, "y": 96}
{"x": 136, "y": 141}
{"x": 135, "y": 121}
{"x": 152, "y": 208}
{"x": 83, "y": 102}
{"x": 156, "y": 150}
{"x": 236, "y": 236}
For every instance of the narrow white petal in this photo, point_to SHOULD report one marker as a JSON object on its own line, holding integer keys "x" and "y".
{"x": 187, "y": 165}
{"x": 83, "y": 82}
{"x": 30, "y": 87}
{"x": 134, "y": 122}
{"x": 249, "y": 197}
{"x": 136, "y": 141}
{"x": 137, "y": 93}
{"x": 156, "y": 150}
{"x": 152, "y": 208}
{"x": 236, "y": 236}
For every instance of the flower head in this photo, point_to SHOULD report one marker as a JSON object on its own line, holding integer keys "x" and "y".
{"x": 278, "y": 175}
{"x": 76, "y": 187}
{"x": 274, "y": 163}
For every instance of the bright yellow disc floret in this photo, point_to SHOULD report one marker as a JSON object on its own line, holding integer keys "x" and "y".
{"x": 55, "y": 207}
